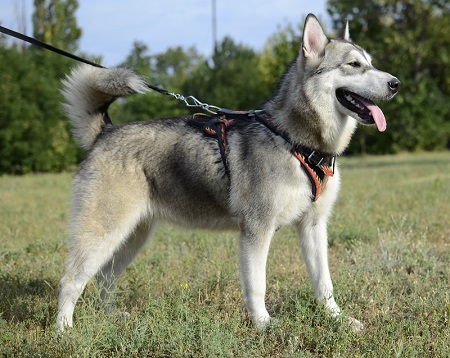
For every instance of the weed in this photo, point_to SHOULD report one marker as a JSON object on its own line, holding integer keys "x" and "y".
{"x": 389, "y": 254}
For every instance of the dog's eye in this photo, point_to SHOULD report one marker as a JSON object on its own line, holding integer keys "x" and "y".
{"x": 355, "y": 64}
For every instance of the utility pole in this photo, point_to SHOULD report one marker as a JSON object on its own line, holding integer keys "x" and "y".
{"x": 214, "y": 23}
{"x": 21, "y": 16}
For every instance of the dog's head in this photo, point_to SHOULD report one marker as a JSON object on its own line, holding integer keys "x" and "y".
{"x": 345, "y": 71}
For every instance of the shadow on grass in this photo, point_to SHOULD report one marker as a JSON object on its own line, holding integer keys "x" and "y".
{"x": 24, "y": 299}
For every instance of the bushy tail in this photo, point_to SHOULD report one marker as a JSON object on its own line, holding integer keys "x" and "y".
{"x": 89, "y": 91}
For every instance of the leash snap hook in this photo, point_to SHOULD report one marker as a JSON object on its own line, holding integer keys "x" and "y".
{"x": 191, "y": 101}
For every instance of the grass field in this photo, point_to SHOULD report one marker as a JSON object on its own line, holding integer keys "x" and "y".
{"x": 389, "y": 258}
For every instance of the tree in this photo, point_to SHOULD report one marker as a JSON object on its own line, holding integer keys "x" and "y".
{"x": 230, "y": 79}
{"x": 35, "y": 135}
{"x": 176, "y": 66}
{"x": 138, "y": 59}
{"x": 280, "y": 50}
{"x": 170, "y": 70}
{"x": 410, "y": 40}
{"x": 54, "y": 22}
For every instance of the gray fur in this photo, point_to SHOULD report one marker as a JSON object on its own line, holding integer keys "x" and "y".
{"x": 140, "y": 174}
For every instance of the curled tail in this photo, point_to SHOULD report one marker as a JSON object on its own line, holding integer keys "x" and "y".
{"x": 88, "y": 92}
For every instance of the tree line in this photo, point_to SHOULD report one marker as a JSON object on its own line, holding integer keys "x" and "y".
{"x": 407, "y": 38}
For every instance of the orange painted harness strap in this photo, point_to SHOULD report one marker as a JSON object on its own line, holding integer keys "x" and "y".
{"x": 318, "y": 178}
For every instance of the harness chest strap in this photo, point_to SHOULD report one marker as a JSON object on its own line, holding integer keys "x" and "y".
{"x": 215, "y": 127}
{"x": 318, "y": 167}
{"x": 318, "y": 174}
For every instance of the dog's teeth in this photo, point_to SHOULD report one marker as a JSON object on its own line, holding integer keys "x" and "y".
{"x": 351, "y": 99}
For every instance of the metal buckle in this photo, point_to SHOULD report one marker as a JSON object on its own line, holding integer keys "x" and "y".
{"x": 313, "y": 153}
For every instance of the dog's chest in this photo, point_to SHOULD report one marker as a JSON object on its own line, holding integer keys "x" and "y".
{"x": 292, "y": 198}
{"x": 273, "y": 188}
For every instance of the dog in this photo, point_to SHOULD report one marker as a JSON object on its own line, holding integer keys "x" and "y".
{"x": 280, "y": 169}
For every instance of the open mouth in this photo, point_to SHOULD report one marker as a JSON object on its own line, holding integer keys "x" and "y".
{"x": 367, "y": 111}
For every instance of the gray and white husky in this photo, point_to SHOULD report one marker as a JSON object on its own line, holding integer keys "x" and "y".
{"x": 140, "y": 174}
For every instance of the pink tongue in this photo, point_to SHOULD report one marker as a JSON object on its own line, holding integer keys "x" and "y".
{"x": 377, "y": 115}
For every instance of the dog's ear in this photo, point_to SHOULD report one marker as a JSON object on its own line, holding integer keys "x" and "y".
{"x": 314, "y": 38}
{"x": 345, "y": 35}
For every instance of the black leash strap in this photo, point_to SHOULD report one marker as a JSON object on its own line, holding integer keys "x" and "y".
{"x": 46, "y": 46}
{"x": 54, "y": 49}
{"x": 190, "y": 101}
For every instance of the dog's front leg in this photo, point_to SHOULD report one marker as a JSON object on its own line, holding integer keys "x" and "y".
{"x": 254, "y": 248}
{"x": 313, "y": 241}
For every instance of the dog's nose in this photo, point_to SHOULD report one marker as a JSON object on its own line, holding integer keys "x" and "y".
{"x": 394, "y": 84}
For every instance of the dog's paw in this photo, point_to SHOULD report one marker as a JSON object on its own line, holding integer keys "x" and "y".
{"x": 115, "y": 313}
{"x": 355, "y": 325}
{"x": 263, "y": 323}
{"x": 123, "y": 314}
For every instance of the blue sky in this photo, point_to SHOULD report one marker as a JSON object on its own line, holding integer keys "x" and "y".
{"x": 110, "y": 27}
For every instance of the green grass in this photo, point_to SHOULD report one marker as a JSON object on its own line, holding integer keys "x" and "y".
{"x": 389, "y": 256}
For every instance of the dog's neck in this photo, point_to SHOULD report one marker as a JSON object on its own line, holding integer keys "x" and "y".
{"x": 326, "y": 131}
{"x": 314, "y": 134}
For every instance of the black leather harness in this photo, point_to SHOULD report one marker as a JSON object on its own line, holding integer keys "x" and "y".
{"x": 317, "y": 166}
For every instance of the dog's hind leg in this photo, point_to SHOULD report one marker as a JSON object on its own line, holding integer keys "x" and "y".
{"x": 110, "y": 273}
{"x": 101, "y": 224}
